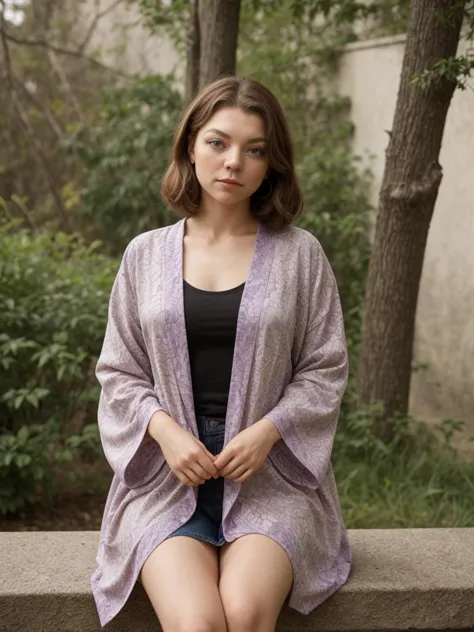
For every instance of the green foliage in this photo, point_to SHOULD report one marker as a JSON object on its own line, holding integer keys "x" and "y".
{"x": 53, "y": 309}
{"x": 416, "y": 480}
{"x": 455, "y": 69}
{"x": 385, "y": 16}
{"x": 124, "y": 153}
{"x": 335, "y": 192}
{"x": 26, "y": 459}
{"x": 299, "y": 71}
{"x": 161, "y": 16}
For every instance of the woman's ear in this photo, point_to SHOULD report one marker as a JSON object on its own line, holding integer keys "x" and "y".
{"x": 191, "y": 152}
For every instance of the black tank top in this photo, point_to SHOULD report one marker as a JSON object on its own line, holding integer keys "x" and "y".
{"x": 211, "y": 324}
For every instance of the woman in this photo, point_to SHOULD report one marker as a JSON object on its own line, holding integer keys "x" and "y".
{"x": 222, "y": 372}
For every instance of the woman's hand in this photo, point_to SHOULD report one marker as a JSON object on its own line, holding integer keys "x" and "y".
{"x": 187, "y": 457}
{"x": 242, "y": 457}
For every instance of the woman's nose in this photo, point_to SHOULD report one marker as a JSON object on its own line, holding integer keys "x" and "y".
{"x": 233, "y": 160}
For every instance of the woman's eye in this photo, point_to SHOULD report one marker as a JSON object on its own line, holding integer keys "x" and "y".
{"x": 256, "y": 151}
{"x": 215, "y": 143}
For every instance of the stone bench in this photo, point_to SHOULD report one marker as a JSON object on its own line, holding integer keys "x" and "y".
{"x": 406, "y": 579}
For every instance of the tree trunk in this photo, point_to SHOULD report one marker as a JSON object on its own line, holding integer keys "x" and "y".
{"x": 193, "y": 52}
{"x": 407, "y": 198}
{"x": 219, "y": 28}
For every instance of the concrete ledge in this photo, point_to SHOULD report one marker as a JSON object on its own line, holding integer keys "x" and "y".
{"x": 415, "y": 579}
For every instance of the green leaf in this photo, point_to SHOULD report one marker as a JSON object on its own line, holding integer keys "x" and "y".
{"x": 61, "y": 371}
{"x": 23, "y": 434}
{"x": 32, "y": 399}
{"x": 7, "y": 362}
{"x": 44, "y": 356}
{"x": 41, "y": 393}
{"x": 22, "y": 460}
{"x": 19, "y": 399}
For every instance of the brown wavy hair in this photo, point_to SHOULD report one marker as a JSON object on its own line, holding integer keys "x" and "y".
{"x": 278, "y": 200}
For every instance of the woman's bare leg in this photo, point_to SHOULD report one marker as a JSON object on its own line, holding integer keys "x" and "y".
{"x": 181, "y": 579}
{"x": 256, "y": 577}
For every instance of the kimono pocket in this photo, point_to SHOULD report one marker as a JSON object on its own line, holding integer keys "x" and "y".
{"x": 281, "y": 475}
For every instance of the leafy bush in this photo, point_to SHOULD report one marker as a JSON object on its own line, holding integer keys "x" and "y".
{"x": 335, "y": 192}
{"x": 53, "y": 310}
{"x": 26, "y": 460}
{"x": 124, "y": 153}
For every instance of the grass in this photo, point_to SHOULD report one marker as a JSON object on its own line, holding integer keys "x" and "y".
{"x": 436, "y": 494}
{"x": 415, "y": 481}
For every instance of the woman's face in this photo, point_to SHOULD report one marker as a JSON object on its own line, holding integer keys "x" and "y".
{"x": 230, "y": 156}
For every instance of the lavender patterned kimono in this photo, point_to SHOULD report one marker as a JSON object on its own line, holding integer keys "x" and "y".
{"x": 290, "y": 365}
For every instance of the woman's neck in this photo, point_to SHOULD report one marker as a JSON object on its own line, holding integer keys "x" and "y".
{"x": 217, "y": 221}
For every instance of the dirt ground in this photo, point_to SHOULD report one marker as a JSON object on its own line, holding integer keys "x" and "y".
{"x": 73, "y": 513}
{"x": 77, "y": 507}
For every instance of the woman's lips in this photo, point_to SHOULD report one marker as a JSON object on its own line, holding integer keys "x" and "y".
{"x": 229, "y": 184}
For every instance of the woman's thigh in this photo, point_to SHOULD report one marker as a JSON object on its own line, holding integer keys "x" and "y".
{"x": 181, "y": 580}
{"x": 256, "y": 577}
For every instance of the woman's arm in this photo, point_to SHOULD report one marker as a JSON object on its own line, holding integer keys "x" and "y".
{"x": 307, "y": 414}
{"x": 128, "y": 399}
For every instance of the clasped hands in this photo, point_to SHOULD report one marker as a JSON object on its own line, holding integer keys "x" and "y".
{"x": 239, "y": 461}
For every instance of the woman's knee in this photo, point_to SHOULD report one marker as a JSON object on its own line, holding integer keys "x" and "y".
{"x": 197, "y": 624}
{"x": 198, "y": 619}
{"x": 243, "y": 614}
{"x": 181, "y": 580}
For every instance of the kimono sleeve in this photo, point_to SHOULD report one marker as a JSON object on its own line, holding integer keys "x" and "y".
{"x": 306, "y": 416}
{"x": 128, "y": 398}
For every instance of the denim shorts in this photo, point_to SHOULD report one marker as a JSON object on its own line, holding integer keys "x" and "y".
{"x": 205, "y": 523}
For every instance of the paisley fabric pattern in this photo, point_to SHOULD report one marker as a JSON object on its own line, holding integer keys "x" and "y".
{"x": 290, "y": 366}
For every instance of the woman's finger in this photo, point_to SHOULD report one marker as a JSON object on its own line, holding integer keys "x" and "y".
{"x": 237, "y": 472}
{"x": 194, "y": 478}
{"x": 209, "y": 454}
{"x": 184, "y": 479}
{"x": 207, "y": 464}
{"x": 244, "y": 478}
{"x": 225, "y": 457}
{"x": 231, "y": 466}
{"x": 199, "y": 470}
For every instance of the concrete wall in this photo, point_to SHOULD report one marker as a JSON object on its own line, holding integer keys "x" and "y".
{"x": 369, "y": 75}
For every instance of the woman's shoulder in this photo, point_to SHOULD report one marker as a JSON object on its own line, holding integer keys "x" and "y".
{"x": 147, "y": 246}
{"x": 301, "y": 240}
{"x": 146, "y": 249}
{"x": 149, "y": 239}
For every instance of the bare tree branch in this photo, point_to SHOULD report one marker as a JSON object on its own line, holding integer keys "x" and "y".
{"x": 66, "y": 86}
{"x": 57, "y": 49}
{"x": 24, "y": 211}
{"x": 47, "y": 113}
{"x": 37, "y": 149}
{"x": 93, "y": 25}
{"x": 48, "y": 14}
